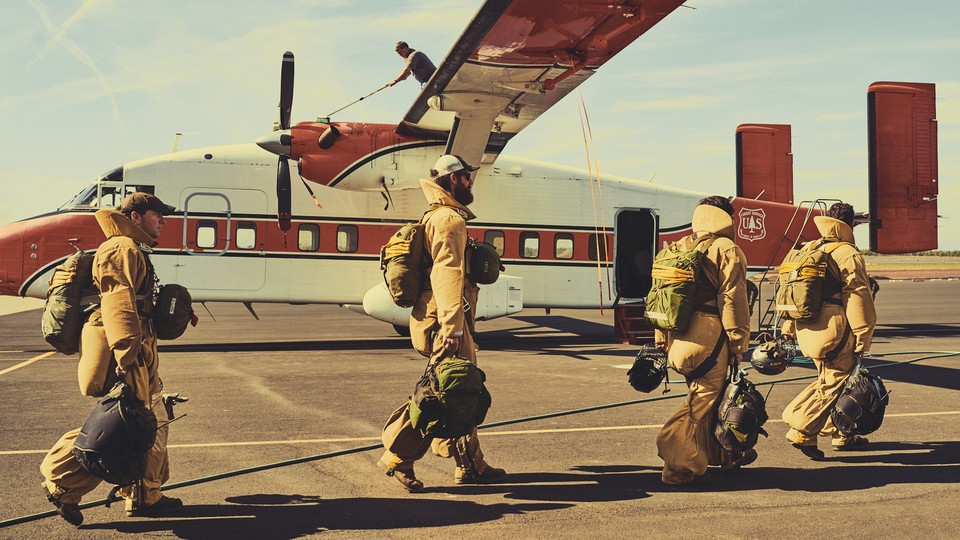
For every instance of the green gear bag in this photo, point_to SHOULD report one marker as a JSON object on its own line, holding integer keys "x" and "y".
{"x": 450, "y": 399}
{"x": 806, "y": 279}
{"x": 676, "y": 273}
{"x": 70, "y": 294}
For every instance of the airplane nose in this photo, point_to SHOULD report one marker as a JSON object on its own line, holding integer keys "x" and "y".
{"x": 277, "y": 142}
{"x": 11, "y": 258}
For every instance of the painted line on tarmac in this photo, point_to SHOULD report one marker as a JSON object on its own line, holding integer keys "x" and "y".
{"x": 28, "y": 362}
{"x": 485, "y": 434}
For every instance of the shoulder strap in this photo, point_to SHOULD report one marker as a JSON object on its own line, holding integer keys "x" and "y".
{"x": 707, "y": 241}
{"x": 710, "y": 361}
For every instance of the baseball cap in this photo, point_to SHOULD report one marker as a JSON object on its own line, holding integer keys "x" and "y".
{"x": 450, "y": 164}
{"x": 140, "y": 202}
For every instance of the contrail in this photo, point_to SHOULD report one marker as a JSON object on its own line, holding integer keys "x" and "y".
{"x": 59, "y": 33}
{"x": 59, "y": 36}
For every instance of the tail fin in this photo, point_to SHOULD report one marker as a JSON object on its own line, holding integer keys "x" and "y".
{"x": 903, "y": 166}
{"x": 764, "y": 162}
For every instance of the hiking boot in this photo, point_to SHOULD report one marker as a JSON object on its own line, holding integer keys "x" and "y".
{"x": 841, "y": 444}
{"x": 407, "y": 478}
{"x": 164, "y": 505}
{"x": 68, "y": 511}
{"x": 490, "y": 475}
{"x": 746, "y": 458}
{"x": 811, "y": 452}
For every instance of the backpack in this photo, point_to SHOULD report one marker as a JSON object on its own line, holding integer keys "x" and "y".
{"x": 70, "y": 296}
{"x": 808, "y": 277}
{"x": 676, "y": 274}
{"x": 113, "y": 442}
{"x": 403, "y": 262}
{"x": 173, "y": 311}
{"x": 740, "y": 416}
{"x": 450, "y": 399}
{"x": 862, "y": 402}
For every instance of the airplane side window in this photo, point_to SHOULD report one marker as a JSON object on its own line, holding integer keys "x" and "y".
{"x": 246, "y": 235}
{"x": 206, "y": 234}
{"x": 563, "y": 246}
{"x": 494, "y": 238}
{"x": 595, "y": 241}
{"x": 347, "y": 238}
{"x": 308, "y": 237}
{"x": 530, "y": 245}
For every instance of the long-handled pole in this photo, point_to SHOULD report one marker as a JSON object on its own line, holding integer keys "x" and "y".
{"x": 358, "y": 101}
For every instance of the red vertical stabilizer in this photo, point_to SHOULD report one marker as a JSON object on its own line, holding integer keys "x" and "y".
{"x": 902, "y": 127}
{"x": 764, "y": 162}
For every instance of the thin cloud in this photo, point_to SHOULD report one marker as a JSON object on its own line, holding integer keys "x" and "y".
{"x": 681, "y": 103}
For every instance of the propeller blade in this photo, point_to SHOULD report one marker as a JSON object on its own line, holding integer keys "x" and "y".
{"x": 283, "y": 194}
{"x": 286, "y": 89}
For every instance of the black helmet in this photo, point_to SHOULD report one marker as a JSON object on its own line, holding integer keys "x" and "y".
{"x": 648, "y": 369}
{"x": 772, "y": 356}
{"x": 113, "y": 442}
{"x": 173, "y": 311}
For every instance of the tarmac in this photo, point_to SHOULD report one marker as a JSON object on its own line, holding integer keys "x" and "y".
{"x": 314, "y": 385}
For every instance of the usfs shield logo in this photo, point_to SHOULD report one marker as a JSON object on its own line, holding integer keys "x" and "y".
{"x": 752, "y": 224}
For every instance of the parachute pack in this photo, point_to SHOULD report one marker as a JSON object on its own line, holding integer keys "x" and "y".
{"x": 450, "y": 399}
{"x": 70, "y": 296}
{"x": 859, "y": 409}
{"x": 740, "y": 416}
{"x": 113, "y": 443}
{"x": 402, "y": 261}
{"x": 807, "y": 279}
{"x": 676, "y": 274}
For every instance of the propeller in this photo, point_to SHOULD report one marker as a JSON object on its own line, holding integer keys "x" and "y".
{"x": 283, "y": 167}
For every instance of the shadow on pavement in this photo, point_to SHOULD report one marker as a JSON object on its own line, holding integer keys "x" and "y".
{"x": 278, "y": 516}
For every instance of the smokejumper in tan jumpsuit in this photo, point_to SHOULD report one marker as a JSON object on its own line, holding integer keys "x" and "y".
{"x": 438, "y": 313}
{"x": 117, "y": 332}
{"x": 846, "y": 330}
{"x": 686, "y": 442}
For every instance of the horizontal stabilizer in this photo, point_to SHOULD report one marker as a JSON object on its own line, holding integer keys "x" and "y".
{"x": 903, "y": 166}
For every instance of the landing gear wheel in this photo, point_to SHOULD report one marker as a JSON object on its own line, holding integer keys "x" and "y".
{"x": 402, "y": 330}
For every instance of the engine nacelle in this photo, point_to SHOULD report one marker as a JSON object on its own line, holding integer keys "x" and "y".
{"x": 505, "y": 297}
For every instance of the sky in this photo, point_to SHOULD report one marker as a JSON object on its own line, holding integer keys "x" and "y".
{"x": 89, "y": 85}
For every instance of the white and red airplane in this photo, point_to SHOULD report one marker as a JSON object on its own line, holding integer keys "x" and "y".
{"x": 567, "y": 238}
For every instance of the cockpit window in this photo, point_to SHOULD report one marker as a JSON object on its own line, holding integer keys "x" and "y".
{"x": 85, "y": 199}
{"x": 106, "y": 192}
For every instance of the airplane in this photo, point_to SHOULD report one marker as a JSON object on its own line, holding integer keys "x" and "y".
{"x": 568, "y": 238}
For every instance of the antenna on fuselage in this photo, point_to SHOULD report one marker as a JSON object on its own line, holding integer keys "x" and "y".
{"x": 176, "y": 140}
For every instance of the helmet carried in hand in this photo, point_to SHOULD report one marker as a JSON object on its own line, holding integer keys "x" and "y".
{"x": 649, "y": 369}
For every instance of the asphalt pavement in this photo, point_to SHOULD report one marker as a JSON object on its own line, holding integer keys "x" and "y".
{"x": 314, "y": 384}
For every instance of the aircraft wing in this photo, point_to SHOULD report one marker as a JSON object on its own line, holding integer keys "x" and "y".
{"x": 514, "y": 61}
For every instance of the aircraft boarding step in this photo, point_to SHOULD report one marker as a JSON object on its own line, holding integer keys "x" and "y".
{"x": 630, "y": 326}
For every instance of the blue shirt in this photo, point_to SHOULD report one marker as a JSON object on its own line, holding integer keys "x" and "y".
{"x": 421, "y": 66}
